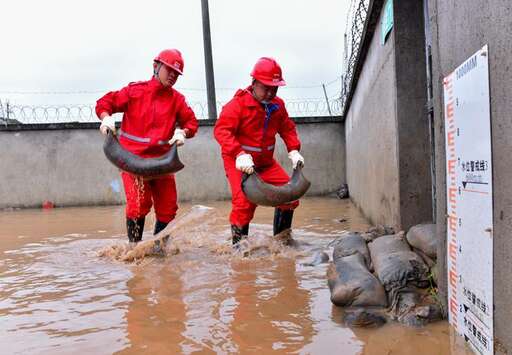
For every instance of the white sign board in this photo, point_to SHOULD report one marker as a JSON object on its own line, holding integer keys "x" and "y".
{"x": 469, "y": 202}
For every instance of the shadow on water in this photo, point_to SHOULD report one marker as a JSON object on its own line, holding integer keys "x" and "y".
{"x": 57, "y": 295}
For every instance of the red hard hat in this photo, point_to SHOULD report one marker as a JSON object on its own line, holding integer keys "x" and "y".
{"x": 172, "y": 58}
{"x": 267, "y": 71}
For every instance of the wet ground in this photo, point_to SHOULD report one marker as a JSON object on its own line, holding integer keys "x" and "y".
{"x": 58, "y": 296}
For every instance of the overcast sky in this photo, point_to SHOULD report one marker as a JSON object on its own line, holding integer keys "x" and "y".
{"x": 101, "y": 45}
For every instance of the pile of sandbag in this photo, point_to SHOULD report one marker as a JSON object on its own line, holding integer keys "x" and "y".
{"x": 379, "y": 268}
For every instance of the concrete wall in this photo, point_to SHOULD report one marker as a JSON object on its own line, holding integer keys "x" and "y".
{"x": 371, "y": 135}
{"x": 388, "y": 159}
{"x": 411, "y": 114}
{"x": 459, "y": 29}
{"x": 67, "y": 166}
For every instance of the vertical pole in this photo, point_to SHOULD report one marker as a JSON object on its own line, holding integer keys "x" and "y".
{"x": 430, "y": 106}
{"x": 208, "y": 62}
{"x": 327, "y": 100}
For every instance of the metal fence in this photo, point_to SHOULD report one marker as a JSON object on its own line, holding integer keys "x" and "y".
{"x": 356, "y": 19}
{"x": 29, "y": 114}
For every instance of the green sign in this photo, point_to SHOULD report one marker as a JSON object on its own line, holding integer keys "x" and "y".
{"x": 387, "y": 20}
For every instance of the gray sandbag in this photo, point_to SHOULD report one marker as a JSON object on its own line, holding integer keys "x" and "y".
{"x": 415, "y": 307}
{"x": 351, "y": 284}
{"x": 395, "y": 264}
{"x": 430, "y": 262}
{"x": 350, "y": 243}
{"x": 423, "y": 237}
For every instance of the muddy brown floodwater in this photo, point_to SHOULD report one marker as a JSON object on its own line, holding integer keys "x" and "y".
{"x": 58, "y": 296}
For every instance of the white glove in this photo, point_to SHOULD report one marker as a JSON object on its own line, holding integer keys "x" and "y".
{"x": 178, "y": 137}
{"x": 108, "y": 123}
{"x": 244, "y": 163}
{"x": 296, "y": 158}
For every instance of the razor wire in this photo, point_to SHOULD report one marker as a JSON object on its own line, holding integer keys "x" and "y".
{"x": 35, "y": 114}
{"x": 356, "y": 19}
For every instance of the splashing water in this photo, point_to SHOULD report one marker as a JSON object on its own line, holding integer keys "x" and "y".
{"x": 188, "y": 232}
{"x": 158, "y": 246}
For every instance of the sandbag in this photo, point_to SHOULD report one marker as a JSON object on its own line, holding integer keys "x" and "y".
{"x": 350, "y": 243}
{"x": 415, "y": 307}
{"x": 395, "y": 264}
{"x": 168, "y": 163}
{"x": 429, "y": 261}
{"x": 423, "y": 237}
{"x": 351, "y": 284}
{"x": 264, "y": 194}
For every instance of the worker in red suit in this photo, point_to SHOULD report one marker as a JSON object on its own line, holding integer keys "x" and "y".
{"x": 155, "y": 116}
{"x": 246, "y": 131}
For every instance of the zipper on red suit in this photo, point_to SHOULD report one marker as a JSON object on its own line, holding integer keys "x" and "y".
{"x": 153, "y": 108}
{"x": 269, "y": 108}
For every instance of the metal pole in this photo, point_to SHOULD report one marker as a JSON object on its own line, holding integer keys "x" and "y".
{"x": 430, "y": 107}
{"x": 208, "y": 62}
{"x": 327, "y": 100}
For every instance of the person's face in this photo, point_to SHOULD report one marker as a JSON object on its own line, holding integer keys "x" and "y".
{"x": 167, "y": 75}
{"x": 263, "y": 93}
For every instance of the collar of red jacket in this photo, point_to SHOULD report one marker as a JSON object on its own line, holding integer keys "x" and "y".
{"x": 156, "y": 85}
{"x": 246, "y": 96}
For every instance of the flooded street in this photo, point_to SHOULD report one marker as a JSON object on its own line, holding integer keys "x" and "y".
{"x": 58, "y": 296}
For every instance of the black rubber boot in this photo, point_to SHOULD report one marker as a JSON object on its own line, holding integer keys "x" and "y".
{"x": 159, "y": 226}
{"x": 245, "y": 230}
{"x": 134, "y": 228}
{"x": 282, "y": 220}
{"x": 239, "y": 233}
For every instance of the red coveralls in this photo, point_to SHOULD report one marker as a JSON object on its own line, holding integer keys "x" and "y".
{"x": 151, "y": 113}
{"x": 245, "y": 126}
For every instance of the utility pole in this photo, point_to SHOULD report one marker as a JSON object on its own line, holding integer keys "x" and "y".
{"x": 208, "y": 62}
